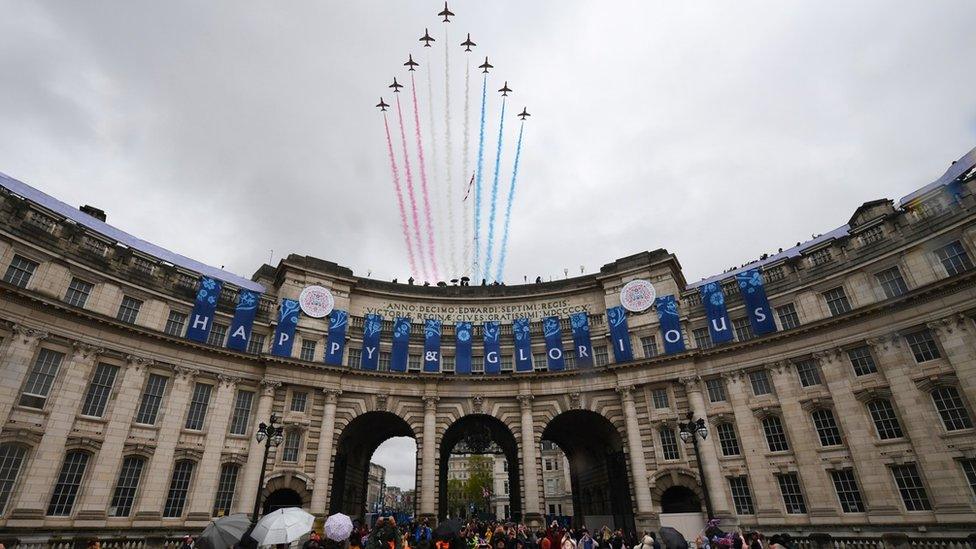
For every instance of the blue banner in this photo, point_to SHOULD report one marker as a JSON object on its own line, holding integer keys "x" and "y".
{"x": 523, "y": 345}
{"x": 619, "y": 336}
{"x": 336, "y": 343}
{"x": 581, "y": 339}
{"x": 284, "y": 335}
{"x": 204, "y": 309}
{"x": 432, "y": 345}
{"x": 719, "y": 325}
{"x": 462, "y": 348}
{"x": 401, "y": 345}
{"x": 553, "y": 334}
{"x": 372, "y": 326}
{"x": 493, "y": 353}
{"x": 754, "y": 294}
{"x": 667, "y": 315}
{"x": 240, "y": 327}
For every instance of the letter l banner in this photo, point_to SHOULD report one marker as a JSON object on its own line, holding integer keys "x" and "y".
{"x": 554, "y": 344}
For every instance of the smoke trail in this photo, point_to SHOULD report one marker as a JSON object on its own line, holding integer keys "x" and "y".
{"x": 494, "y": 194}
{"x": 508, "y": 208}
{"x": 436, "y": 217}
{"x": 465, "y": 165}
{"x": 410, "y": 192}
{"x": 399, "y": 196}
{"x": 477, "y": 182}
{"x": 449, "y": 154}
{"x": 434, "y": 272}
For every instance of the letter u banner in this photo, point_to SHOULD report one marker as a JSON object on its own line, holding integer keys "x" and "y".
{"x": 336, "y": 344}
{"x": 204, "y": 308}
{"x": 719, "y": 325}
{"x": 432, "y": 345}
{"x": 462, "y": 348}
{"x": 401, "y": 345}
{"x": 554, "y": 344}
{"x": 667, "y": 315}
{"x": 372, "y": 326}
{"x": 523, "y": 345}
{"x": 622, "y": 351}
{"x": 285, "y": 331}
{"x": 240, "y": 327}
{"x": 581, "y": 339}
{"x": 493, "y": 352}
{"x": 754, "y": 294}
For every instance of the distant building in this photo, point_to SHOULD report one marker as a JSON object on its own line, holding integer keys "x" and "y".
{"x": 375, "y": 486}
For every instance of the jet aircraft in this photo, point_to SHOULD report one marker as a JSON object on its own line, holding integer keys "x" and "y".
{"x": 468, "y": 43}
{"x": 396, "y": 86}
{"x": 505, "y": 90}
{"x": 523, "y": 114}
{"x": 427, "y": 39}
{"x": 411, "y": 63}
{"x": 486, "y": 65}
{"x": 446, "y": 13}
{"x": 382, "y": 105}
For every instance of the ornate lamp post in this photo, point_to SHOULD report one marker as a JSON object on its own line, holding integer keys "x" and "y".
{"x": 688, "y": 433}
{"x": 271, "y": 434}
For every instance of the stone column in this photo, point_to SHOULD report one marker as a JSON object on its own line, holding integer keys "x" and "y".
{"x": 752, "y": 445}
{"x": 638, "y": 463}
{"x": 955, "y": 334}
{"x": 323, "y": 461}
{"x": 530, "y": 472}
{"x": 713, "y": 471}
{"x": 208, "y": 470}
{"x": 14, "y": 365}
{"x": 428, "y": 496}
{"x": 248, "y": 484}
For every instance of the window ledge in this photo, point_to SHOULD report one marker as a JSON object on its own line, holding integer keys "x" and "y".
{"x": 958, "y": 433}
{"x": 891, "y": 441}
{"x": 28, "y": 409}
{"x": 93, "y": 419}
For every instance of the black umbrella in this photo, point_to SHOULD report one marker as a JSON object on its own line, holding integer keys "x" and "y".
{"x": 672, "y": 538}
{"x": 447, "y": 530}
{"x": 223, "y": 532}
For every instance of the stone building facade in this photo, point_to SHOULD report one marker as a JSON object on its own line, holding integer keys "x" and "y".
{"x": 856, "y": 416}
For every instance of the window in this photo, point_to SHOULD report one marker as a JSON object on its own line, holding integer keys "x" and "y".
{"x": 356, "y": 358}
{"x": 20, "y": 271}
{"x": 45, "y": 222}
{"x": 669, "y": 443}
{"x": 41, "y": 378}
{"x": 891, "y": 282}
{"x": 716, "y": 389}
{"x": 143, "y": 265}
{"x": 225, "y": 489}
{"x": 550, "y": 486}
{"x": 847, "y": 491}
{"x": 968, "y": 467}
{"x": 743, "y": 329}
{"x": 384, "y": 360}
{"x": 862, "y": 361}
{"x": 910, "y": 487}
{"x": 125, "y": 488}
{"x": 570, "y": 358}
{"x": 872, "y": 235}
{"x": 820, "y": 257}
{"x": 175, "y": 323}
{"x": 505, "y": 487}
{"x": 78, "y": 292}
{"x": 837, "y": 301}
{"x": 741, "y": 496}
{"x": 152, "y": 397}
{"x": 775, "y": 435}
{"x": 760, "y": 383}
{"x": 954, "y": 415}
{"x": 217, "y": 334}
{"x": 11, "y": 460}
{"x": 242, "y": 412}
{"x": 600, "y": 357}
{"x": 703, "y": 339}
{"x": 660, "y": 398}
{"x": 548, "y": 465}
{"x": 923, "y": 346}
{"x": 885, "y": 420}
{"x": 179, "y": 485}
{"x": 772, "y": 274}
{"x": 308, "y": 350}
{"x": 789, "y": 486}
{"x": 447, "y": 363}
{"x": 293, "y": 442}
{"x": 727, "y": 439}
{"x": 68, "y": 484}
{"x": 99, "y": 390}
{"x": 507, "y": 361}
{"x": 94, "y": 246}
{"x": 788, "y": 318}
{"x": 808, "y": 372}
{"x": 298, "y": 401}
{"x": 649, "y": 346}
{"x": 413, "y": 363}
{"x": 129, "y": 310}
{"x": 827, "y": 430}
{"x": 198, "y": 406}
{"x": 953, "y": 257}
{"x": 255, "y": 345}
{"x": 539, "y": 360}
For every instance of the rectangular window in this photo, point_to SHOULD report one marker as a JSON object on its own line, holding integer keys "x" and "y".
{"x": 217, "y": 334}
{"x": 600, "y": 357}
{"x": 809, "y": 372}
{"x": 384, "y": 361}
{"x": 225, "y": 489}
{"x": 968, "y": 467}
{"x": 885, "y": 420}
{"x": 539, "y": 360}
{"x": 20, "y": 271}
{"x": 649, "y": 346}
{"x": 242, "y": 412}
{"x": 716, "y": 389}
{"x": 152, "y": 397}
{"x": 299, "y": 399}
{"x": 727, "y": 439}
{"x": 507, "y": 362}
{"x": 789, "y": 486}
{"x": 760, "y": 383}
{"x": 660, "y": 398}
{"x": 954, "y": 258}
{"x": 94, "y": 246}
{"x": 872, "y": 235}
{"x": 41, "y": 378}
{"x": 951, "y": 409}
{"x": 292, "y": 446}
{"x": 355, "y": 358}
{"x": 125, "y": 488}
{"x": 837, "y": 301}
{"x": 198, "y": 406}
{"x": 255, "y": 345}
{"x": 447, "y": 363}
{"x": 923, "y": 346}
{"x": 703, "y": 339}
{"x": 772, "y": 274}
{"x": 413, "y": 363}
{"x": 788, "y": 318}
{"x": 742, "y": 328}
{"x": 68, "y": 484}
{"x": 741, "y": 496}
{"x": 827, "y": 430}
{"x": 669, "y": 443}
{"x": 891, "y": 282}
{"x": 862, "y": 361}
{"x": 11, "y": 460}
{"x": 910, "y": 487}
{"x": 179, "y": 486}
{"x": 847, "y": 491}
{"x": 78, "y": 292}
{"x": 99, "y": 389}
{"x": 129, "y": 310}
{"x": 308, "y": 350}
{"x": 45, "y": 222}
{"x": 775, "y": 435}
{"x": 175, "y": 323}
{"x": 820, "y": 257}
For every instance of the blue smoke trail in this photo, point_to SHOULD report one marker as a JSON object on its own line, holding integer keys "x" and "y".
{"x": 508, "y": 208}
{"x": 494, "y": 195}
{"x": 477, "y": 182}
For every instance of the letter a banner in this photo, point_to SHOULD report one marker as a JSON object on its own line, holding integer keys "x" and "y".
{"x": 204, "y": 308}
{"x": 554, "y": 344}
{"x": 336, "y": 344}
{"x": 401, "y": 345}
{"x": 432, "y": 345}
{"x": 372, "y": 326}
{"x": 462, "y": 348}
{"x": 754, "y": 294}
{"x": 667, "y": 315}
{"x": 622, "y": 351}
{"x": 719, "y": 325}
{"x": 285, "y": 331}
{"x": 523, "y": 345}
{"x": 493, "y": 358}
{"x": 581, "y": 339}
{"x": 240, "y": 327}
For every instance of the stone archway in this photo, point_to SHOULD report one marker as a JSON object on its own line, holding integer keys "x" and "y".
{"x": 286, "y": 489}
{"x": 281, "y": 498}
{"x": 678, "y": 495}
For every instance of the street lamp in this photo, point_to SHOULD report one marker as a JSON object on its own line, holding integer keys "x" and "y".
{"x": 271, "y": 434}
{"x": 688, "y": 431}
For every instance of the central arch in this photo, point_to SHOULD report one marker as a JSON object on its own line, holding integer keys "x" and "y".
{"x": 597, "y": 468}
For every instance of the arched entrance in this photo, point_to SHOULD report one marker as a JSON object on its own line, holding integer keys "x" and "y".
{"x": 355, "y": 447}
{"x": 281, "y": 498}
{"x": 678, "y": 499}
{"x": 597, "y": 468}
{"x": 481, "y": 434}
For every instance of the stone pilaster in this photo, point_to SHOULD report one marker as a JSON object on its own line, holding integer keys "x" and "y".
{"x": 530, "y": 466}
{"x": 323, "y": 461}
{"x": 17, "y": 360}
{"x": 252, "y": 469}
{"x": 208, "y": 470}
{"x": 955, "y": 335}
{"x": 428, "y": 453}
{"x": 752, "y": 443}
{"x": 638, "y": 463}
{"x": 713, "y": 471}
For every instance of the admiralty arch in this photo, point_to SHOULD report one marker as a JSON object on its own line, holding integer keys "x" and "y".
{"x": 852, "y": 416}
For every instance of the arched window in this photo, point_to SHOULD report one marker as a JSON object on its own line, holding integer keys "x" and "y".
{"x": 951, "y": 409}
{"x": 775, "y": 434}
{"x": 179, "y": 486}
{"x": 226, "y": 488}
{"x": 727, "y": 439}
{"x": 69, "y": 483}
{"x": 826, "y": 425}
{"x": 126, "y": 486}
{"x": 11, "y": 462}
{"x": 885, "y": 420}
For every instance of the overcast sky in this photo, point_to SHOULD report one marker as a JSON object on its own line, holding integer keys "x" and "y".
{"x": 716, "y": 130}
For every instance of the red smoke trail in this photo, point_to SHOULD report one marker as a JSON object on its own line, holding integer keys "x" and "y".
{"x": 410, "y": 192}
{"x": 399, "y": 196}
{"x": 423, "y": 184}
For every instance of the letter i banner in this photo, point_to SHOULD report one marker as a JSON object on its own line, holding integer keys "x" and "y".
{"x": 523, "y": 345}
{"x": 204, "y": 309}
{"x": 667, "y": 315}
{"x": 754, "y": 294}
{"x": 336, "y": 342}
{"x": 432, "y": 345}
{"x": 581, "y": 339}
{"x": 554, "y": 344}
{"x": 619, "y": 335}
{"x": 462, "y": 348}
{"x": 285, "y": 331}
{"x": 372, "y": 326}
{"x": 719, "y": 325}
{"x": 240, "y": 327}
{"x": 493, "y": 358}
{"x": 401, "y": 345}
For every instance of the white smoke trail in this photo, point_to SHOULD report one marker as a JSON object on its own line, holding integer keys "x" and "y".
{"x": 449, "y": 154}
{"x": 438, "y": 224}
{"x": 465, "y": 166}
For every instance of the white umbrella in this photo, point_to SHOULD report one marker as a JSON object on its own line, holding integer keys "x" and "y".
{"x": 338, "y": 527}
{"x": 282, "y": 526}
